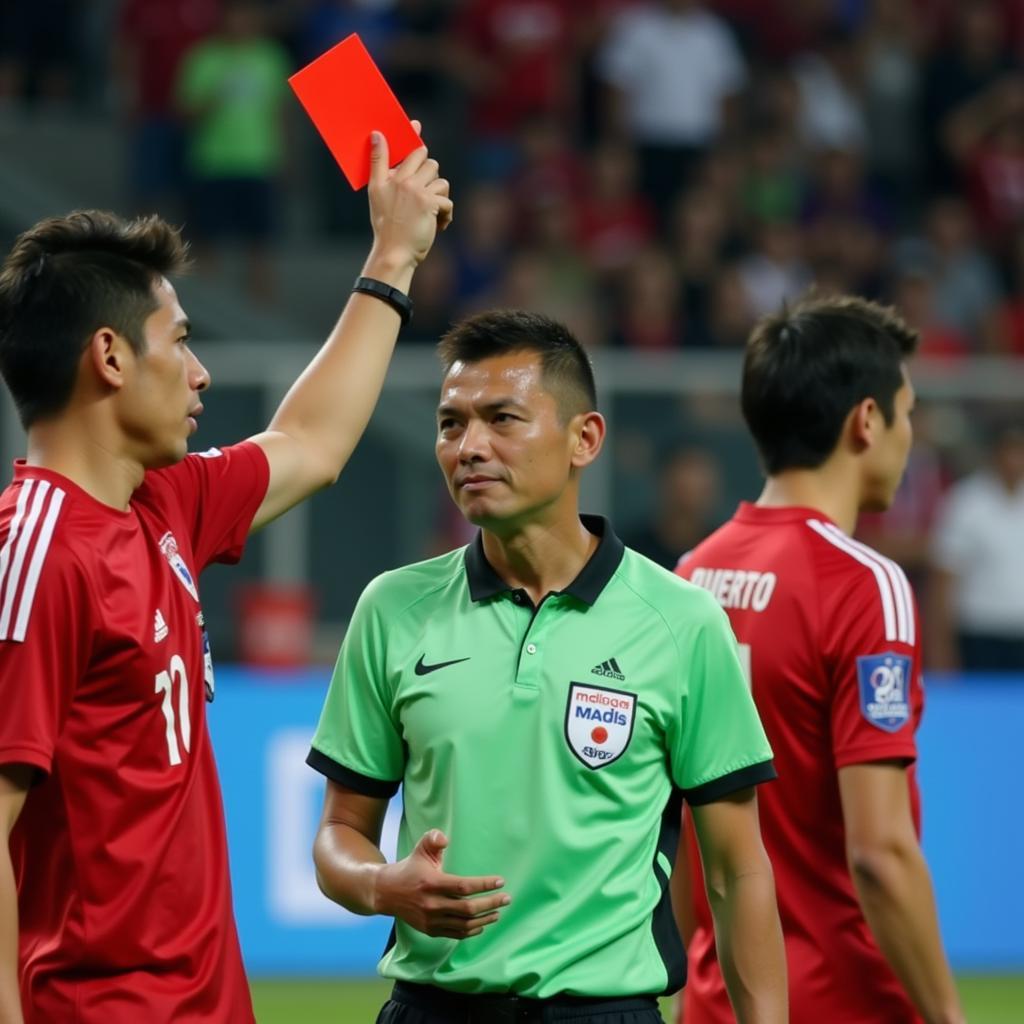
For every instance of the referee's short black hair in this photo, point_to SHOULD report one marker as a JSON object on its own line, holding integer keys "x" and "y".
{"x": 63, "y": 280}
{"x": 806, "y": 367}
{"x": 565, "y": 365}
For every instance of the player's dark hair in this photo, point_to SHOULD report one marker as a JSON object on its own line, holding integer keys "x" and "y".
{"x": 565, "y": 366}
{"x": 805, "y": 368}
{"x": 63, "y": 280}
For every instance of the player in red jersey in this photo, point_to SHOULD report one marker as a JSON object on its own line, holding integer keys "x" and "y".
{"x": 829, "y": 630}
{"x": 115, "y": 903}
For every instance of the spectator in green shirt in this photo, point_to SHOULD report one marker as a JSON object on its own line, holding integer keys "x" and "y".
{"x": 230, "y": 89}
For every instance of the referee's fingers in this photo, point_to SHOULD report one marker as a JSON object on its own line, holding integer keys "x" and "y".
{"x": 480, "y": 905}
{"x": 462, "y": 886}
{"x": 460, "y": 928}
{"x": 451, "y": 933}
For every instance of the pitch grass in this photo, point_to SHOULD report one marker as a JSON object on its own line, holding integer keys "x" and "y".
{"x": 988, "y": 999}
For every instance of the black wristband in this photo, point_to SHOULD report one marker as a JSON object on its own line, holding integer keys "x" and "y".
{"x": 398, "y": 301}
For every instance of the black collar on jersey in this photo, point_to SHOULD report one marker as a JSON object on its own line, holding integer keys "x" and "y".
{"x": 484, "y": 582}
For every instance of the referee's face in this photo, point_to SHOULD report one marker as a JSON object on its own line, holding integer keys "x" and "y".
{"x": 502, "y": 446}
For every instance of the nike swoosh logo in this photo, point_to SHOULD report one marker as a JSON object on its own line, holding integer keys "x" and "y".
{"x": 423, "y": 670}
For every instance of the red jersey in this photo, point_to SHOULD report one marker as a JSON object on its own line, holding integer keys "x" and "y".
{"x": 120, "y": 852}
{"x": 829, "y": 629}
{"x": 525, "y": 43}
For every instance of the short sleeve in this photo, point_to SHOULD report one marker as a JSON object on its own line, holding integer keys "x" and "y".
{"x": 874, "y": 667}
{"x": 219, "y": 491}
{"x": 43, "y": 657}
{"x": 718, "y": 745}
{"x": 358, "y": 741}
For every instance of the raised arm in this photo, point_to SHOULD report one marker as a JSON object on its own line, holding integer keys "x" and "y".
{"x": 894, "y": 887}
{"x": 351, "y": 870}
{"x": 14, "y": 784}
{"x": 741, "y": 891}
{"x": 326, "y": 410}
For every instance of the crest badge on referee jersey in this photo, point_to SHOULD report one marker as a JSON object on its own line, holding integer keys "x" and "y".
{"x": 169, "y": 549}
{"x": 884, "y": 682}
{"x": 599, "y": 723}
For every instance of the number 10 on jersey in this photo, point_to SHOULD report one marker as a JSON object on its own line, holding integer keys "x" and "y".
{"x": 175, "y": 676}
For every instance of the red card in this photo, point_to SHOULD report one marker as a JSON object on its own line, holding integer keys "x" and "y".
{"x": 346, "y": 97}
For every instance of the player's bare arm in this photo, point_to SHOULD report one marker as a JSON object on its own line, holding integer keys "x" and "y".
{"x": 14, "y": 784}
{"x": 894, "y": 886}
{"x": 681, "y": 886}
{"x": 352, "y": 871}
{"x": 741, "y": 892}
{"x": 326, "y": 411}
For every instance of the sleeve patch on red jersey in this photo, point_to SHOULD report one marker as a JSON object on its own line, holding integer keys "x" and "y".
{"x": 884, "y": 681}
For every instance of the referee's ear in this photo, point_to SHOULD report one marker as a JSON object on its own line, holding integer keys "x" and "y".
{"x": 587, "y": 430}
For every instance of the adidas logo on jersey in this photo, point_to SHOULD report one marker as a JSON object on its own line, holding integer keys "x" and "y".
{"x": 159, "y": 627}
{"x": 609, "y": 669}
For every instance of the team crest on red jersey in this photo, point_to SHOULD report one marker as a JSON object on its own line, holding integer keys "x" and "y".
{"x": 884, "y": 681}
{"x": 599, "y": 723}
{"x": 169, "y": 549}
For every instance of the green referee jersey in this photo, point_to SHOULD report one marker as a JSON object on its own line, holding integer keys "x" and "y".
{"x": 553, "y": 745}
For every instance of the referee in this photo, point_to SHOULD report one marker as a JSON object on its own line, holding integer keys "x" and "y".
{"x": 547, "y": 698}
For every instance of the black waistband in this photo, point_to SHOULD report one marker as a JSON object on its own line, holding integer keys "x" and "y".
{"x": 496, "y": 1008}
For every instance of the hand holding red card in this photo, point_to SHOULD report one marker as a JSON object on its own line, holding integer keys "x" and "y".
{"x": 346, "y": 97}
{"x": 409, "y": 203}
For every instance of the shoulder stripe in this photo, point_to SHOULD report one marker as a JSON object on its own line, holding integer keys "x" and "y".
{"x": 12, "y": 532}
{"x": 900, "y": 585}
{"x": 885, "y": 588}
{"x": 36, "y": 565}
{"x": 11, "y": 576}
{"x": 17, "y": 562}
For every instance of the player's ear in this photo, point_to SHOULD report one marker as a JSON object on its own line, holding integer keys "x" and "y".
{"x": 108, "y": 353}
{"x": 862, "y": 424}
{"x": 588, "y": 432}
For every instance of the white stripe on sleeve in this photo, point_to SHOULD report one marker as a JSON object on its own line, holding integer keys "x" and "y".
{"x": 885, "y": 590}
{"x": 898, "y": 580}
{"x": 17, "y": 563}
{"x": 12, "y": 533}
{"x": 36, "y": 565}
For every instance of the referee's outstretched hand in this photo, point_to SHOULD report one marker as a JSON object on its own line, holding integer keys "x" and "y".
{"x": 417, "y": 891}
{"x": 409, "y": 203}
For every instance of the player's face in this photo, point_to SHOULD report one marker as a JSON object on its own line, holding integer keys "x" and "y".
{"x": 160, "y": 401}
{"x": 888, "y": 458}
{"x": 504, "y": 451}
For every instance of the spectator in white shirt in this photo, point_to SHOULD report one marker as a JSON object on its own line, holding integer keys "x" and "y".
{"x": 976, "y": 619}
{"x": 673, "y": 67}
{"x": 831, "y": 94}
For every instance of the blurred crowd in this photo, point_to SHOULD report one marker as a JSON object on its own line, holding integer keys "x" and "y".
{"x": 655, "y": 173}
